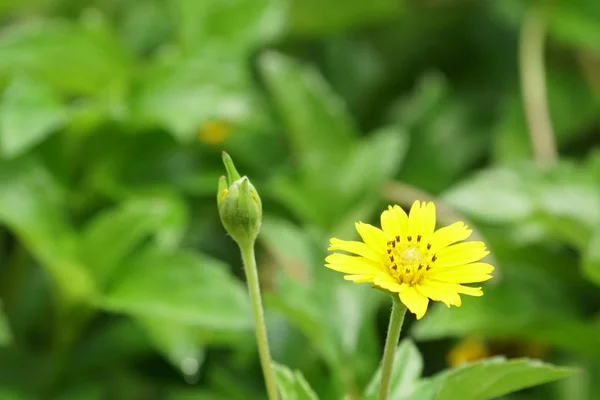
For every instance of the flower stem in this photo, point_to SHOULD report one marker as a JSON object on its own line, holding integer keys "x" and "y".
{"x": 533, "y": 86}
{"x": 259, "y": 318}
{"x": 387, "y": 365}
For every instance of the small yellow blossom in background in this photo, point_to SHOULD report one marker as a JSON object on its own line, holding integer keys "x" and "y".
{"x": 468, "y": 350}
{"x": 408, "y": 257}
{"x": 214, "y": 132}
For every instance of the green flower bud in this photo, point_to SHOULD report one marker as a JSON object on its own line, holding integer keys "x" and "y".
{"x": 239, "y": 205}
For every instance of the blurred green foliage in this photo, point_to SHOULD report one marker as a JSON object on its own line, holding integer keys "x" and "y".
{"x": 116, "y": 278}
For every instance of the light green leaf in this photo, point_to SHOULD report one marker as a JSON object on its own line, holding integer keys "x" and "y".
{"x": 292, "y": 385}
{"x": 407, "y": 369}
{"x": 31, "y": 207}
{"x": 496, "y": 377}
{"x": 181, "y": 286}
{"x": 74, "y": 58}
{"x": 240, "y": 25}
{"x": 29, "y": 112}
{"x": 316, "y": 120}
{"x": 498, "y": 195}
{"x": 576, "y": 23}
{"x": 5, "y": 334}
{"x": 181, "y": 94}
{"x": 114, "y": 234}
{"x": 564, "y": 199}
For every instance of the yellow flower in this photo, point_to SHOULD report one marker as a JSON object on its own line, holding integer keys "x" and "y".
{"x": 468, "y": 350}
{"x": 408, "y": 257}
{"x": 214, "y": 132}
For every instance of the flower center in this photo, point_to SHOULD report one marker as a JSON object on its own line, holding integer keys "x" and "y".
{"x": 409, "y": 259}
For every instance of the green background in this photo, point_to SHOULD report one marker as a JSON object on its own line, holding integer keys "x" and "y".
{"x": 117, "y": 280}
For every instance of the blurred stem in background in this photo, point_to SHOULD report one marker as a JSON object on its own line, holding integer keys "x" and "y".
{"x": 533, "y": 86}
{"x": 391, "y": 342}
{"x": 240, "y": 209}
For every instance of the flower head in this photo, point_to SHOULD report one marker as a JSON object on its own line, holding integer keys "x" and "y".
{"x": 409, "y": 257}
{"x": 239, "y": 205}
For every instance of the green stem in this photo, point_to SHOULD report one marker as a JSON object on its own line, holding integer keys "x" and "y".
{"x": 533, "y": 86}
{"x": 387, "y": 365}
{"x": 259, "y": 318}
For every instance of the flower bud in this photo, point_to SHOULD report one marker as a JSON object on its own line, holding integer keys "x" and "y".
{"x": 239, "y": 205}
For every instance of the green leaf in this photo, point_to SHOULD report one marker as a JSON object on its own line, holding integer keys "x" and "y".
{"x": 179, "y": 343}
{"x": 90, "y": 56}
{"x": 316, "y": 120}
{"x": 115, "y": 233}
{"x": 526, "y": 304}
{"x": 446, "y": 137}
{"x": 334, "y": 316}
{"x": 31, "y": 207}
{"x": 181, "y": 286}
{"x": 292, "y": 385}
{"x": 496, "y": 195}
{"x": 376, "y": 159}
{"x": 180, "y": 94}
{"x": 591, "y": 258}
{"x": 496, "y": 377}
{"x": 239, "y": 25}
{"x": 407, "y": 369}
{"x": 314, "y": 17}
{"x": 5, "y": 334}
{"x": 577, "y": 23}
{"x": 563, "y": 199}
{"x": 29, "y": 112}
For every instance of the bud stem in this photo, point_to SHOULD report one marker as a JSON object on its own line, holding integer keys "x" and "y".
{"x": 259, "y": 318}
{"x": 389, "y": 352}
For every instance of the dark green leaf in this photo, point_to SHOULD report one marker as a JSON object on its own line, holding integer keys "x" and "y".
{"x": 179, "y": 343}
{"x": 5, "y": 334}
{"x": 314, "y": 17}
{"x": 112, "y": 235}
{"x": 31, "y": 206}
{"x": 591, "y": 258}
{"x": 319, "y": 127}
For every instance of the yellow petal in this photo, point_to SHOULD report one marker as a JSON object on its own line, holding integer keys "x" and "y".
{"x": 427, "y": 219}
{"x": 460, "y": 277}
{"x": 471, "y": 291}
{"x": 359, "y": 278}
{"x": 352, "y": 264}
{"x": 478, "y": 267}
{"x": 460, "y": 254}
{"x": 415, "y": 301}
{"x": 388, "y": 283}
{"x": 373, "y": 237}
{"x": 439, "y": 292}
{"x": 448, "y": 235}
{"x": 358, "y": 248}
{"x": 401, "y": 220}
{"x": 389, "y": 223}
{"x": 414, "y": 220}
